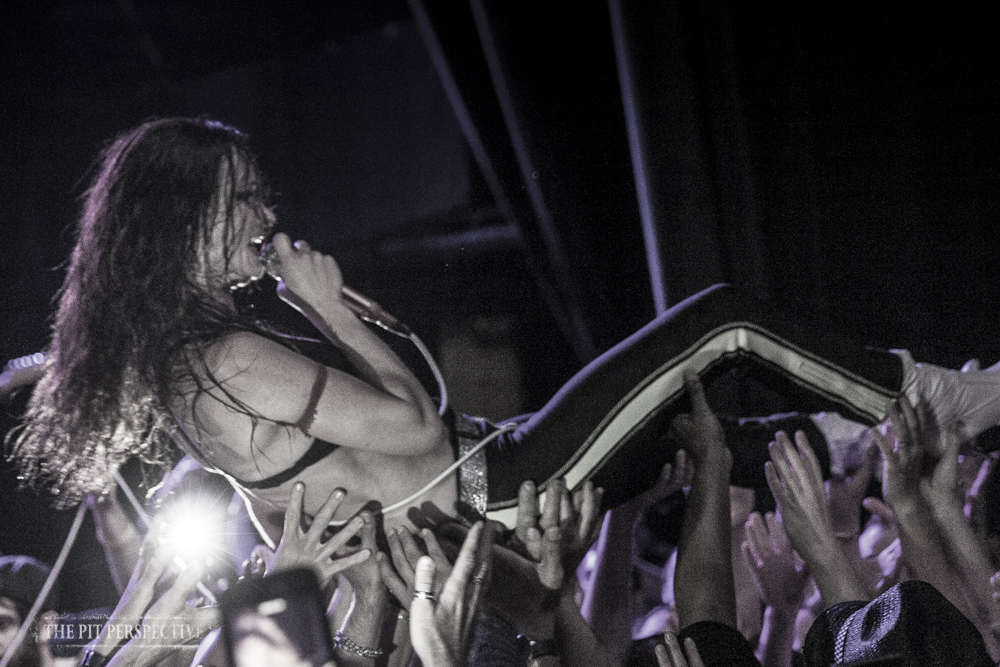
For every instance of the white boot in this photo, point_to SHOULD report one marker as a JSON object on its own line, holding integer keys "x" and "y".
{"x": 971, "y": 397}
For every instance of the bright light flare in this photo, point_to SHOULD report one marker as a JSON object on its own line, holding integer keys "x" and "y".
{"x": 193, "y": 530}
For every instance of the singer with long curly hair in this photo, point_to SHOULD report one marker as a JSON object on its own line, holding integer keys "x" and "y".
{"x": 149, "y": 357}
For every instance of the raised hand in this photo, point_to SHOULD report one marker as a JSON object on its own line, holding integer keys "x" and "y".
{"x": 844, "y": 495}
{"x": 941, "y": 488}
{"x": 669, "y": 654}
{"x": 903, "y": 453}
{"x": 698, "y": 432}
{"x": 793, "y": 473}
{"x": 308, "y": 277}
{"x": 172, "y": 607}
{"x": 400, "y": 575}
{"x": 777, "y": 570}
{"x": 577, "y": 516}
{"x": 139, "y": 593}
{"x": 441, "y": 624}
{"x": 152, "y": 647}
{"x": 309, "y": 548}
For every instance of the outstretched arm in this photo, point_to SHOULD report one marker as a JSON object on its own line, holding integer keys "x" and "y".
{"x": 703, "y": 581}
{"x": 793, "y": 473}
{"x": 922, "y": 546}
{"x": 605, "y": 606}
{"x": 781, "y": 577}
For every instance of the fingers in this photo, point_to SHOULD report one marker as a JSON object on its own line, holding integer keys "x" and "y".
{"x": 392, "y": 580}
{"x": 527, "y": 510}
{"x": 779, "y": 538}
{"x": 422, "y": 626}
{"x": 293, "y": 513}
{"x": 753, "y": 560}
{"x": 910, "y": 435}
{"x": 434, "y": 549}
{"x": 781, "y": 460}
{"x": 673, "y": 654}
{"x": 550, "y": 569}
{"x": 775, "y": 483}
{"x": 553, "y": 504}
{"x": 699, "y": 404}
{"x": 332, "y": 567}
{"x": 807, "y": 457}
{"x": 858, "y": 482}
{"x": 590, "y": 511}
{"x": 566, "y": 511}
{"x": 183, "y": 585}
{"x": 757, "y": 538}
{"x": 325, "y": 513}
{"x": 282, "y": 244}
{"x": 423, "y": 580}
{"x": 886, "y": 445}
{"x": 952, "y": 442}
{"x": 344, "y": 535}
{"x": 683, "y": 468}
{"x": 410, "y": 548}
{"x": 694, "y": 657}
{"x": 403, "y": 565}
{"x": 463, "y": 568}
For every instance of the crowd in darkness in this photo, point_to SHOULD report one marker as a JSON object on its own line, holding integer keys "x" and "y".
{"x": 686, "y": 574}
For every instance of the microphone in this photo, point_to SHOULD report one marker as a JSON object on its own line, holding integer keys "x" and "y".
{"x": 365, "y": 308}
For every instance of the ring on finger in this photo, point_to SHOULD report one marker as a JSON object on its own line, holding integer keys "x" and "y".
{"x": 424, "y": 595}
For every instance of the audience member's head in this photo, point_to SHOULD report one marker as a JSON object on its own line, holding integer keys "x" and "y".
{"x": 21, "y": 581}
{"x": 910, "y": 625}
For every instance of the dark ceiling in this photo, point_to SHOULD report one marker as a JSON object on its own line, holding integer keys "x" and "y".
{"x": 108, "y": 43}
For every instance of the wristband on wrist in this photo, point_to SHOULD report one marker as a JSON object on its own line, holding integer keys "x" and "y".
{"x": 92, "y": 658}
{"x": 346, "y": 644}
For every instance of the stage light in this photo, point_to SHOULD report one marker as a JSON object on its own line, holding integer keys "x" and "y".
{"x": 193, "y": 529}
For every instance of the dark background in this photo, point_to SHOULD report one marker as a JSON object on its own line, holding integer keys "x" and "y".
{"x": 484, "y": 170}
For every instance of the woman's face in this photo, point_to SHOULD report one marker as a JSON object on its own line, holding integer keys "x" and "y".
{"x": 232, "y": 255}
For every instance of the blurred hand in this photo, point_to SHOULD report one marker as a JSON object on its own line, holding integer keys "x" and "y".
{"x": 172, "y": 608}
{"x": 441, "y": 626}
{"x": 903, "y": 452}
{"x": 941, "y": 488}
{"x": 793, "y": 473}
{"x": 669, "y": 654}
{"x": 777, "y": 570}
{"x": 673, "y": 476}
{"x": 844, "y": 496}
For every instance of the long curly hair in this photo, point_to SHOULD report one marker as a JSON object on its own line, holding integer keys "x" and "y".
{"x": 133, "y": 312}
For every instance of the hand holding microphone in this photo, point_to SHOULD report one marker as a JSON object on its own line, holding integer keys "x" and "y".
{"x": 359, "y": 304}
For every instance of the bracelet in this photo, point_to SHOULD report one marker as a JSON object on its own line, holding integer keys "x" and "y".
{"x": 346, "y": 644}
{"x": 92, "y": 658}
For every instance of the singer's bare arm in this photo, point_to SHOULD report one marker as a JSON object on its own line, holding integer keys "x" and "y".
{"x": 381, "y": 408}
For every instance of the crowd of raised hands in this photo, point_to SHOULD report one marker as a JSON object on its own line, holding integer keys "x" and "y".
{"x": 563, "y": 587}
